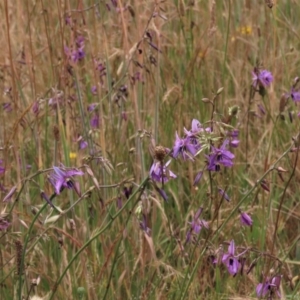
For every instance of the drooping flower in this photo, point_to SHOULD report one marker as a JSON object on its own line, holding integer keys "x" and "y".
{"x": 245, "y": 219}
{"x": 262, "y": 78}
{"x": 161, "y": 174}
{"x": 127, "y": 191}
{"x": 7, "y": 107}
{"x": 35, "y": 107}
{"x": 4, "y": 224}
{"x": 196, "y": 225}
{"x": 220, "y": 156}
{"x": 230, "y": 260}
{"x": 2, "y": 168}
{"x": 224, "y": 194}
{"x": 95, "y": 120}
{"x": 10, "y": 194}
{"x": 94, "y": 90}
{"x": 143, "y": 225}
{"x": 63, "y": 178}
{"x": 269, "y": 288}
{"x": 198, "y": 178}
{"x": 91, "y": 107}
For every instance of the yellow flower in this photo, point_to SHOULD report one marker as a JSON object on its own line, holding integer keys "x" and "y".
{"x": 72, "y": 155}
{"x": 245, "y": 30}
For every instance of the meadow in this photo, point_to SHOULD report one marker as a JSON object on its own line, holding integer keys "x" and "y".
{"x": 149, "y": 149}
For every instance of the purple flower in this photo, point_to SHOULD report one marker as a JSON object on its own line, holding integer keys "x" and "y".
{"x": 46, "y": 198}
{"x": 92, "y": 107}
{"x": 94, "y": 90}
{"x": 224, "y": 194}
{"x": 294, "y": 94}
{"x": 230, "y": 260}
{"x": 7, "y": 107}
{"x": 220, "y": 157}
{"x": 63, "y": 178}
{"x": 35, "y": 107}
{"x": 157, "y": 172}
{"x": 127, "y": 191}
{"x": 196, "y": 225}
{"x": 269, "y": 288}
{"x": 245, "y": 219}
{"x": 83, "y": 144}
{"x": 198, "y": 178}
{"x": 196, "y": 128}
{"x": 261, "y": 78}
{"x": 95, "y": 120}
{"x": 261, "y": 108}
{"x": 144, "y": 227}
{"x": 3, "y": 224}
{"x": 78, "y": 53}
{"x": 163, "y": 194}
{"x": 10, "y": 194}
{"x": 185, "y": 147}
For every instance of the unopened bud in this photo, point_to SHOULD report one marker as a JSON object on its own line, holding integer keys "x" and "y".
{"x": 220, "y": 90}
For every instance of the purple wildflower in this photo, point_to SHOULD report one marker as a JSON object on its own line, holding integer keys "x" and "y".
{"x": 230, "y": 260}
{"x": 7, "y": 107}
{"x": 269, "y": 288}
{"x": 94, "y": 90}
{"x": 124, "y": 115}
{"x": 220, "y": 157}
{"x": 245, "y": 219}
{"x": 92, "y": 107}
{"x": 261, "y": 109}
{"x": 294, "y": 94}
{"x": 163, "y": 194}
{"x": 46, "y": 198}
{"x": 10, "y": 194}
{"x": 83, "y": 144}
{"x": 95, "y": 120}
{"x": 2, "y": 168}
{"x": 3, "y": 224}
{"x": 63, "y": 178}
{"x": 196, "y": 225}
{"x": 78, "y": 53}
{"x": 119, "y": 202}
{"x": 184, "y": 147}
{"x": 127, "y": 191}
{"x": 157, "y": 172}
{"x": 35, "y": 107}
{"x": 198, "y": 178}
{"x": 261, "y": 78}
{"x": 144, "y": 227}
{"x": 224, "y": 194}
{"x": 196, "y": 128}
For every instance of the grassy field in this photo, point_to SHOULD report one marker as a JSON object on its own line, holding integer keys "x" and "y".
{"x": 149, "y": 149}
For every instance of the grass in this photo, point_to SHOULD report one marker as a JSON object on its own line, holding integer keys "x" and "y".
{"x": 148, "y": 68}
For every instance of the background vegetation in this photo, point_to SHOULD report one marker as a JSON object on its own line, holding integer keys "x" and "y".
{"x": 147, "y": 66}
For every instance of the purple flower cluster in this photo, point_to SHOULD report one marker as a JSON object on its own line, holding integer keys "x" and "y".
{"x": 95, "y": 119}
{"x": 188, "y": 146}
{"x": 77, "y": 53}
